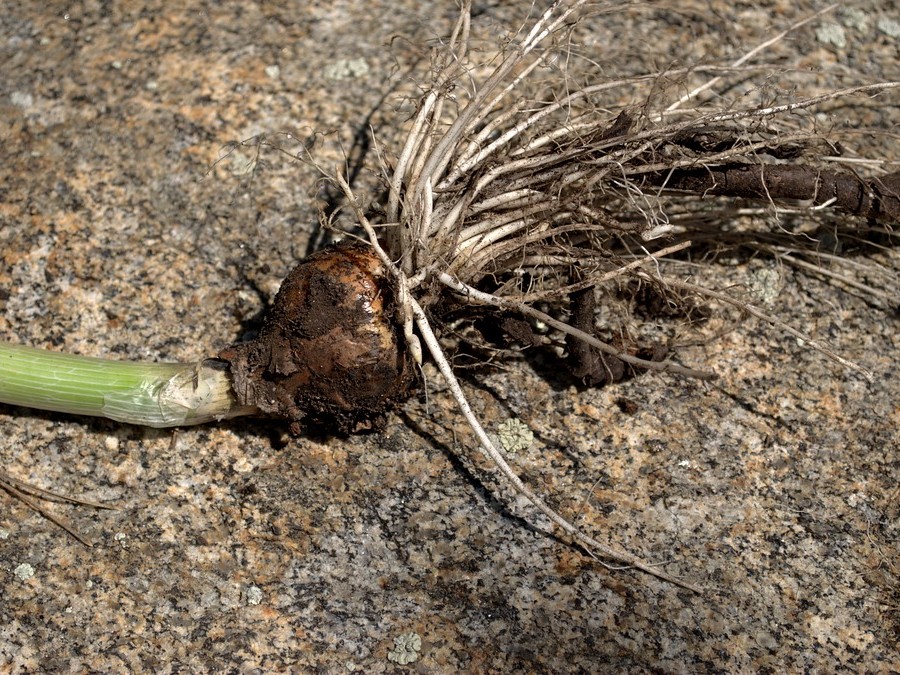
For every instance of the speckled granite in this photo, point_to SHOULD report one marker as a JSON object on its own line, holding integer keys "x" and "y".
{"x": 238, "y": 549}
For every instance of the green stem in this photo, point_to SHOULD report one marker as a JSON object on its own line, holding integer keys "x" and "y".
{"x": 147, "y": 394}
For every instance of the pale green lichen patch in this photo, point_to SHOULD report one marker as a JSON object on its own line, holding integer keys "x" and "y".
{"x": 765, "y": 284}
{"x": 254, "y": 595}
{"x": 406, "y": 648}
{"x": 514, "y": 435}
{"x": 344, "y": 69}
{"x": 889, "y": 27}
{"x": 24, "y": 572}
{"x": 832, "y": 34}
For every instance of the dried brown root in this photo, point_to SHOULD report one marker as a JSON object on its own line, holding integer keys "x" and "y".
{"x": 592, "y": 367}
{"x": 25, "y": 492}
{"x": 476, "y": 296}
{"x": 873, "y": 198}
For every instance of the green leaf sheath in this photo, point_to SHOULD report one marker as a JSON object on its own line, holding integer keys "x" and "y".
{"x": 148, "y": 394}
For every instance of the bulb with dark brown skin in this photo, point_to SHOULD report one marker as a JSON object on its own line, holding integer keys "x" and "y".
{"x": 329, "y": 351}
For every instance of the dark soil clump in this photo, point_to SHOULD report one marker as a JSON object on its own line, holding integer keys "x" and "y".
{"x": 329, "y": 351}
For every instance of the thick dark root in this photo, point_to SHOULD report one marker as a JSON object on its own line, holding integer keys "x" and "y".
{"x": 329, "y": 351}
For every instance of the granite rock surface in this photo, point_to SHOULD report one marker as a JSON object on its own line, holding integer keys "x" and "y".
{"x": 138, "y": 221}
